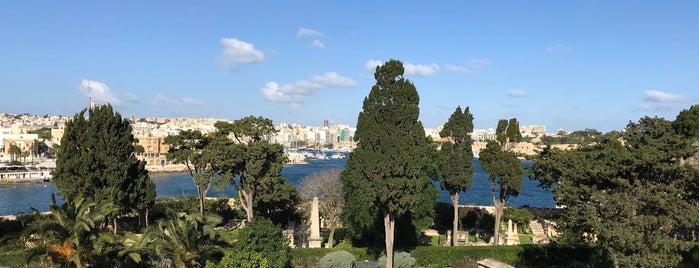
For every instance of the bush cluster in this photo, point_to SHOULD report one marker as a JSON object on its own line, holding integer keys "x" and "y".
{"x": 337, "y": 259}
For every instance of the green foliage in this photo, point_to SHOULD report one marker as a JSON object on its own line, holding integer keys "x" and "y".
{"x": 244, "y": 259}
{"x": 187, "y": 240}
{"x": 513, "y": 133}
{"x": 68, "y": 235}
{"x": 501, "y": 131}
{"x": 337, "y": 259}
{"x": 276, "y": 200}
{"x": 630, "y": 191}
{"x": 96, "y": 161}
{"x": 253, "y": 166}
{"x": 455, "y": 159}
{"x": 259, "y": 242}
{"x": 505, "y": 171}
{"x": 385, "y": 175}
{"x": 522, "y": 255}
{"x": 687, "y": 122}
{"x": 400, "y": 260}
{"x": 310, "y": 257}
{"x": 44, "y": 133}
{"x": 193, "y": 149}
{"x": 520, "y": 216}
{"x": 576, "y": 137}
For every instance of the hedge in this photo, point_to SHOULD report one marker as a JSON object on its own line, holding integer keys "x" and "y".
{"x": 310, "y": 257}
{"x": 524, "y": 255}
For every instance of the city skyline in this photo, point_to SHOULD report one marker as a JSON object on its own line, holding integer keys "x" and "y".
{"x": 570, "y": 65}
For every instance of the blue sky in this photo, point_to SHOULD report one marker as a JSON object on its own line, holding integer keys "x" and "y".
{"x": 564, "y": 64}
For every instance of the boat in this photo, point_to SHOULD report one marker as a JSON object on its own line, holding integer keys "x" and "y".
{"x": 337, "y": 155}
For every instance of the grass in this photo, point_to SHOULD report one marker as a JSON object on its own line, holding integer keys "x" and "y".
{"x": 524, "y": 239}
{"x": 434, "y": 240}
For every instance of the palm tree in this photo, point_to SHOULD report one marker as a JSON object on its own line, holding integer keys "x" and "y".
{"x": 66, "y": 237}
{"x": 188, "y": 239}
{"x": 14, "y": 152}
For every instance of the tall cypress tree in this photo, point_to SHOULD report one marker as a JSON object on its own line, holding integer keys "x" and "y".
{"x": 385, "y": 175}
{"x": 455, "y": 160}
{"x": 506, "y": 175}
{"x": 96, "y": 160}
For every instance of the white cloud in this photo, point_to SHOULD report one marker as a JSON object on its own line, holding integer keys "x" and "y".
{"x": 332, "y": 79}
{"x": 317, "y": 43}
{"x": 302, "y": 32}
{"x": 163, "y": 100}
{"x": 289, "y": 93}
{"x": 661, "y": 101}
{"x": 372, "y": 64}
{"x": 459, "y": 69}
{"x": 477, "y": 63}
{"x": 294, "y": 93}
{"x": 517, "y": 93}
{"x": 420, "y": 70}
{"x": 236, "y": 52}
{"x": 657, "y": 96}
{"x": 99, "y": 92}
{"x": 558, "y": 48}
{"x": 471, "y": 67}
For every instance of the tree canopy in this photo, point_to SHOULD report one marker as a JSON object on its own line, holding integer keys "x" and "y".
{"x": 96, "y": 161}
{"x": 385, "y": 176}
{"x": 506, "y": 175}
{"x": 628, "y": 192}
{"x": 455, "y": 159}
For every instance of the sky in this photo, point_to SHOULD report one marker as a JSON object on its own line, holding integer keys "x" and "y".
{"x": 568, "y": 65}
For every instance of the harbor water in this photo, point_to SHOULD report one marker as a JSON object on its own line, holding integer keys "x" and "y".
{"x": 20, "y": 198}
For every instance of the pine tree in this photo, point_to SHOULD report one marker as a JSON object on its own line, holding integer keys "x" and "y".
{"x": 385, "y": 175}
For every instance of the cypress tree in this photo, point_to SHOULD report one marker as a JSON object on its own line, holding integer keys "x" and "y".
{"x": 385, "y": 175}
{"x": 455, "y": 160}
{"x": 96, "y": 160}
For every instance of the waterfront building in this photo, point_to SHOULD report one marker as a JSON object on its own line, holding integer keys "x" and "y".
{"x": 26, "y": 143}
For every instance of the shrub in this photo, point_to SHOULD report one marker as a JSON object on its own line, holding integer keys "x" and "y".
{"x": 260, "y": 243}
{"x": 310, "y": 257}
{"x": 400, "y": 260}
{"x": 519, "y": 216}
{"x": 337, "y": 259}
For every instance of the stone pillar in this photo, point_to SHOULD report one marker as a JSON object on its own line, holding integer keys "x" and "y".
{"x": 315, "y": 240}
{"x": 512, "y": 238}
{"x": 290, "y": 234}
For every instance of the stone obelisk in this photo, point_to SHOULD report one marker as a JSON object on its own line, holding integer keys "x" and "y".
{"x": 315, "y": 240}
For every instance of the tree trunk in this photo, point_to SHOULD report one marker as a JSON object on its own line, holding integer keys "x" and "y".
{"x": 390, "y": 227}
{"x": 331, "y": 235}
{"x": 246, "y": 201}
{"x": 499, "y": 205}
{"x": 455, "y": 229}
{"x": 147, "y": 213}
{"x": 202, "y": 193}
{"x": 115, "y": 224}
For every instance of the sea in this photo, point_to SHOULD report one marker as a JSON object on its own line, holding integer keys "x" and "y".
{"x": 21, "y": 198}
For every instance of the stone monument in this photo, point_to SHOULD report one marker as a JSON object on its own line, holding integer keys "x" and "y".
{"x": 315, "y": 240}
